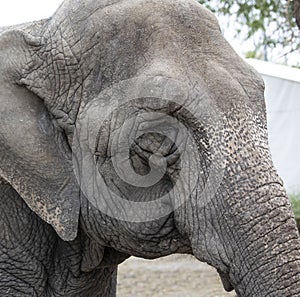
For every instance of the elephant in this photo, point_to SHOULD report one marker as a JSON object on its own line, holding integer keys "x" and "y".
{"x": 132, "y": 128}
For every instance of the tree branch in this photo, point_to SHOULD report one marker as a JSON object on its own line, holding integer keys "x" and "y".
{"x": 297, "y": 11}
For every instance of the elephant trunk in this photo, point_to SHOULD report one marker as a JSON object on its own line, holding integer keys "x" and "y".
{"x": 266, "y": 260}
{"x": 252, "y": 240}
{"x": 246, "y": 228}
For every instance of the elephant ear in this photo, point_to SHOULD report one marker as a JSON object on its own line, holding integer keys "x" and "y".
{"x": 35, "y": 158}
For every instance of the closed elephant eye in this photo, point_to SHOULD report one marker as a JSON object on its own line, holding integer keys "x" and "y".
{"x": 142, "y": 152}
{"x": 157, "y": 149}
{"x": 148, "y": 154}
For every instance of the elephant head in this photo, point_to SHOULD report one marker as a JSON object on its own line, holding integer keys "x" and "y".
{"x": 136, "y": 122}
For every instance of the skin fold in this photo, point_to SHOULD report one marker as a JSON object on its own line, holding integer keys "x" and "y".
{"x": 109, "y": 62}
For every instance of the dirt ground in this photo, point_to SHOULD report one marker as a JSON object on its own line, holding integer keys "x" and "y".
{"x": 174, "y": 276}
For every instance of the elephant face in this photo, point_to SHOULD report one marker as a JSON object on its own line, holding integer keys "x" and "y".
{"x": 142, "y": 123}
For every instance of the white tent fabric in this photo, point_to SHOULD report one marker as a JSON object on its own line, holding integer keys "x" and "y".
{"x": 283, "y": 111}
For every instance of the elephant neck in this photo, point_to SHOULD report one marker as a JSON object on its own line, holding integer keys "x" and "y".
{"x": 68, "y": 278}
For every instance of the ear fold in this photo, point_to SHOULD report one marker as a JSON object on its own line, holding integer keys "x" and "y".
{"x": 34, "y": 157}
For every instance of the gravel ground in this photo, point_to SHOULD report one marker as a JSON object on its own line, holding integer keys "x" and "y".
{"x": 174, "y": 276}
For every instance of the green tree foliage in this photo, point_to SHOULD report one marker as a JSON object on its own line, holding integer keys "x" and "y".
{"x": 270, "y": 24}
{"x": 295, "y": 200}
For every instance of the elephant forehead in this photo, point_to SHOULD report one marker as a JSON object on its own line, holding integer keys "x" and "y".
{"x": 112, "y": 18}
{"x": 100, "y": 43}
{"x": 134, "y": 36}
{"x": 146, "y": 12}
{"x": 81, "y": 10}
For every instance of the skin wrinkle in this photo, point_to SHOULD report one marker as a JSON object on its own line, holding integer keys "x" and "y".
{"x": 12, "y": 261}
{"x": 245, "y": 234}
{"x": 271, "y": 292}
{"x": 36, "y": 278}
{"x": 258, "y": 216}
{"x": 55, "y": 74}
{"x": 215, "y": 228}
{"x": 259, "y": 222}
{"x": 269, "y": 275}
{"x": 227, "y": 256}
{"x": 278, "y": 246}
{"x": 67, "y": 118}
{"x": 249, "y": 271}
{"x": 263, "y": 264}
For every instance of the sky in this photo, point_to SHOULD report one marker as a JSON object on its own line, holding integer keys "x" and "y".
{"x": 20, "y": 11}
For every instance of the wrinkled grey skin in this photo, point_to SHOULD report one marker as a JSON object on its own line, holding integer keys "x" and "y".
{"x": 54, "y": 242}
